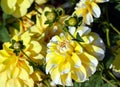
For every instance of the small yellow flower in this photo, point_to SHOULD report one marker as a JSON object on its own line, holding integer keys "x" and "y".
{"x": 87, "y": 9}
{"x": 15, "y": 71}
{"x": 16, "y": 8}
{"x": 66, "y": 59}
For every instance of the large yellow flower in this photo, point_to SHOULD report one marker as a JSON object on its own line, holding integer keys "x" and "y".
{"x": 87, "y": 8}
{"x": 67, "y": 59}
{"x": 15, "y": 71}
{"x": 16, "y": 8}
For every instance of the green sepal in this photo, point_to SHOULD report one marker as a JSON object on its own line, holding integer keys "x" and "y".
{"x": 19, "y": 47}
{"x": 78, "y": 38}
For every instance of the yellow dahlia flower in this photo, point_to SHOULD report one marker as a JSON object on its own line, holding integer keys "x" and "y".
{"x": 87, "y": 9}
{"x": 15, "y": 71}
{"x": 16, "y": 8}
{"x": 68, "y": 60}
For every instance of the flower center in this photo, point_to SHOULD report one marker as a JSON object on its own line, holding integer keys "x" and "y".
{"x": 64, "y": 47}
{"x": 63, "y": 44}
{"x": 16, "y": 45}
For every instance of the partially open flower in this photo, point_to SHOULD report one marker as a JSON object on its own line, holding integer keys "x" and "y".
{"x": 68, "y": 59}
{"x": 87, "y": 9}
{"x": 16, "y": 8}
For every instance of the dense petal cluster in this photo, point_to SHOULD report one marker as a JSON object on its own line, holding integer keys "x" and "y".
{"x": 15, "y": 71}
{"x": 87, "y": 9}
{"x": 16, "y": 8}
{"x": 69, "y": 60}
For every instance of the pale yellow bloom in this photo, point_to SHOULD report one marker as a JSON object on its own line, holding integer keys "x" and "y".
{"x": 87, "y": 9}
{"x": 15, "y": 71}
{"x": 16, "y": 8}
{"x": 67, "y": 60}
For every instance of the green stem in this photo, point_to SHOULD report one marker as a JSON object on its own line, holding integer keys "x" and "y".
{"x": 116, "y": 30}
{"x": 26, "y": 55}
{"x": 47, "y": 83}
{"x": 107, "y": 37}
{"x": 29, "y": 59}
{"x": 108, "y": 82}
{"x": 113, "y": 77}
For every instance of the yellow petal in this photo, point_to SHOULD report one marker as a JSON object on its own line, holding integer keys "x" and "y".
{"x": 37, "y": 75}
{"x": 79, "y": 12}
{"x": 26, "y": 38}
{"x": 24, "y": 3}
{"x": 3, "y": 78}
{"x": 8, "y": 6}
{"x": 76, "y": 59}
{"x": 19, "y": 12}
{"x": 65, "y": 67}
{"x": 95, "y": 10}
{"x": 13, "y": 83}
{"x": 15, "y": 72}
{"x": 88, "y": 18}
{"x": 11, "y": 3}
{"x": 87, "y": 58}
{"x": 36, "y": 46}
{"x": 66, "y": 79}
{"x": 55, "y": 75}
{"x": 53, "y": 62}
{"x": 41, "y": 1}
{"x": 79, "y": 74}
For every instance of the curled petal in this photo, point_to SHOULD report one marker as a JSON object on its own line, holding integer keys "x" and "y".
{"x": 95, "y": 10}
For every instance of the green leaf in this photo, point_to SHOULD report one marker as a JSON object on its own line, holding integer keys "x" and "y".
{"x": 109, "y": 85}
{"x": 94, "y": 81}
{"x": 16, "y": 26}
{"x": 78, "y": 38}
{"x": 76, "y": 84}
{"x": 117, "y": 7}
{"x": 108, "y": 60}
{"x": 4, "y": 35}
